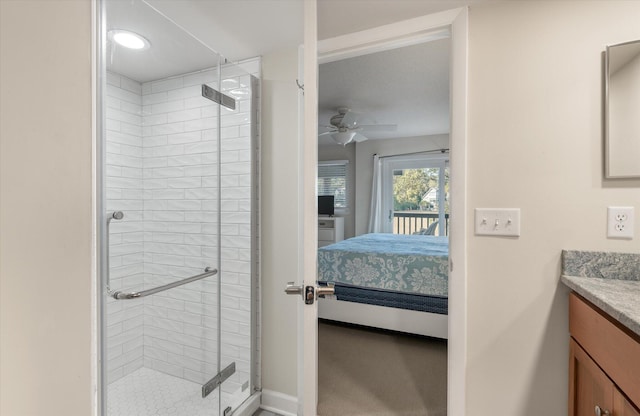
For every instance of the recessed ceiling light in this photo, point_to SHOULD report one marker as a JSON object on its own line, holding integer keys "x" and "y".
{"x": 128, "y": 39}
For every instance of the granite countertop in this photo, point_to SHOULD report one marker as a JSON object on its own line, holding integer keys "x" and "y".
{"x": 609, "y": 280}
{"x": 618, "y": 298}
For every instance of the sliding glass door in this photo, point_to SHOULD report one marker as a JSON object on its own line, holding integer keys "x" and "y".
{"x": 415, "y": 195}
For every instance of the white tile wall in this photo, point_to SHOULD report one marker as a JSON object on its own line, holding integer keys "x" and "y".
{"x": 179, "y": 141}
{"x": 124, "y": 173}
{"x": 162, "y": 172}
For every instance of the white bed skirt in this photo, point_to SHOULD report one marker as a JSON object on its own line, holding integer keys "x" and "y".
{"x": 403, "y": 320}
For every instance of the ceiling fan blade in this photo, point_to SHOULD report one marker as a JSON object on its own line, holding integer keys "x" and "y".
{"x": 326, "y": 129}
{"x": 359, "y": 138}
{"x": 379, "y": 127}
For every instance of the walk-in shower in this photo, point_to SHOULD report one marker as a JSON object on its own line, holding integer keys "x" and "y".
{"x": 178, "y": 219}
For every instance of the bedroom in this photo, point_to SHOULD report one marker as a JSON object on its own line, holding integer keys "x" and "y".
{"x": 393, "y": 108}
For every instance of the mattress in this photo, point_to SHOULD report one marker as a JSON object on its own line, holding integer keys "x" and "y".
{"x": 398, "y": 300}
{"x": 413, "y": 264}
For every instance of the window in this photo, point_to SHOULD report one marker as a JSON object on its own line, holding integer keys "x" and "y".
{"x": 415, "y": 195}
{"x": 333, "y": 180}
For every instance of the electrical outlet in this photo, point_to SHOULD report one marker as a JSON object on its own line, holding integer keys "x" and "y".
{"x": 620, "y": 222}
{"x": 498, "y": 221}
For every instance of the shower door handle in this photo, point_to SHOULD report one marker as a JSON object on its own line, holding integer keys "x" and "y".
{"x": 115, "y": 215}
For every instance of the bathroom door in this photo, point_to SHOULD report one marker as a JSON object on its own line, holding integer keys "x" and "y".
{"x": 308, "y": 309}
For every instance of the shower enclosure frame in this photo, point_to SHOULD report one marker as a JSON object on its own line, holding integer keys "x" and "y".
{"x": 100, "y": 249}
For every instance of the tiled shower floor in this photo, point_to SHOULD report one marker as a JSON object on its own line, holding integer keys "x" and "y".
{"x": 147, "y": 392}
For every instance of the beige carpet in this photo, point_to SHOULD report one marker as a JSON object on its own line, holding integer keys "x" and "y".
{"x": 367, "y": 372}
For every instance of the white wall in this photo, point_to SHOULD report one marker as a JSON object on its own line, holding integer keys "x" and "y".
{"x": 364, "y": 164}
{"x": 45, "y": 208}
{"x": 535, "y": 142}
{"x": 279, "y": 220}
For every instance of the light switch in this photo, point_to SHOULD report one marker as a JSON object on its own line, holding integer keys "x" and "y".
{"x": 498, "y": 221}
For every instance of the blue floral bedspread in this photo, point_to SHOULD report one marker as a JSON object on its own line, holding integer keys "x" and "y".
{"x": 402, "y": 263}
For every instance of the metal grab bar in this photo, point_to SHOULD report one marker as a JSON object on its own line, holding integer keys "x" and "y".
{"x": 115, "y": 215}
{"x": 135, "y": 295}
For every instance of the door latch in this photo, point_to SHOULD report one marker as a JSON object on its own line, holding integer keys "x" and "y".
{"x": 309, "y": 293}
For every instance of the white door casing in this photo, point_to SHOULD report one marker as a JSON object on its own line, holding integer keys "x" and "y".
{"x": 421, "y": 29}
{"x": 308, "y": 168}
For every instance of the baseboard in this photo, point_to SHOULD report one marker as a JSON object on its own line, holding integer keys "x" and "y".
{"x": 279, "y": 403}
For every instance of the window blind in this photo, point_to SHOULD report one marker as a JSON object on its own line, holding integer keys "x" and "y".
{"x": 332, "y": 180}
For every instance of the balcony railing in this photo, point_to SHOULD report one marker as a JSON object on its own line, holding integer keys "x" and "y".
{"x": 410, "y": 222}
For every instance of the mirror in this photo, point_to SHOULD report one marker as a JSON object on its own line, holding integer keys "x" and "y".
{"x": 622, "y": 104}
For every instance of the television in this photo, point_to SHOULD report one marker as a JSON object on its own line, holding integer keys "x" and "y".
{"x": 325, "y": 205}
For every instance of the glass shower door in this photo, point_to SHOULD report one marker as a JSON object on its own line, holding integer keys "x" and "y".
{"x": 163, "y": 267}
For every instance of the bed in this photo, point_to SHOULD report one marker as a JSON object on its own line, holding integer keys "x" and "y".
{"x": 390, "y": 281}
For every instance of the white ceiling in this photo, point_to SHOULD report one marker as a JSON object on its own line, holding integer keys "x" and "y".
{"x": 407, "y": 87}
{"x": 239, "y": 29}
{"x": 242, "y": 29}
{"x": 189, "y": 35}
{"x": 172, "y": 51}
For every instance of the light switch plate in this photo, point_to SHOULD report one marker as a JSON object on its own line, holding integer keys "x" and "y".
{"x": 498, "y": 221}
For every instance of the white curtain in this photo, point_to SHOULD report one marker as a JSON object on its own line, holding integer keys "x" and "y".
{"x": 375, "y": 212}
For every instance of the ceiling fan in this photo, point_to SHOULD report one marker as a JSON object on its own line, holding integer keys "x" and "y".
{"x": 345, "y": 127}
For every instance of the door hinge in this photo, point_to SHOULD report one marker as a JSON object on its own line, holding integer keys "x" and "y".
{"x": 216, "y": 381}
{"x": 218, "y": 97}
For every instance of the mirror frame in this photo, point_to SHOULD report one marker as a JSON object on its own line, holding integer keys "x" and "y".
{"x": 606, "y": 119}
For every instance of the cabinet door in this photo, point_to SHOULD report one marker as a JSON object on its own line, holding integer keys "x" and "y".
{"x": 589, "y": 386}
{"x": 622, "y": 406}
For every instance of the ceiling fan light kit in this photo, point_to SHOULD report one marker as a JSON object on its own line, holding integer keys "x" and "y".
{"x": 343, "y": 137}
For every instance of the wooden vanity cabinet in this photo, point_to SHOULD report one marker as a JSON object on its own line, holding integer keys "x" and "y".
{"x": 604, "y": 364}
{"x": 622, "y": 406}
{"x": 589, "y": 387}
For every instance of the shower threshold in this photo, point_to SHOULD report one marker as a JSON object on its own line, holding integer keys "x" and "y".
{"x": 147, "y": 392}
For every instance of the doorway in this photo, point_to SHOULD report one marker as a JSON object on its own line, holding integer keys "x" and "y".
{"x": 392, "y": 105}
{"x": 331, "y": 50}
